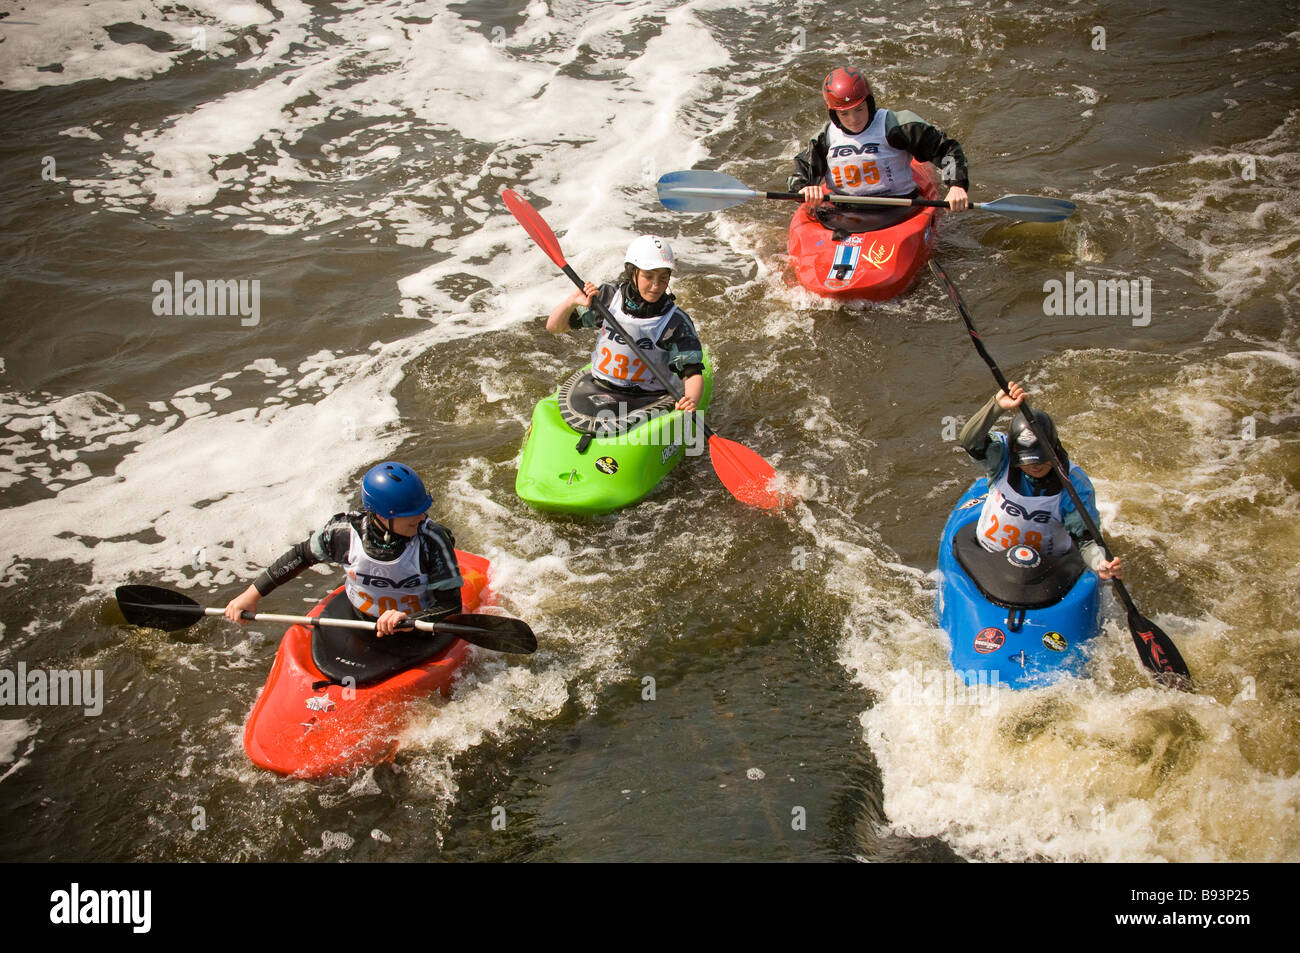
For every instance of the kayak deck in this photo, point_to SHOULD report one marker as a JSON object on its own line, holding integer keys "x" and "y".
{"x": 304, "y": 726}
{"x": 562, "y": 471}
{"x": 873, "y": 265}
{"x": 1005, "y": 644}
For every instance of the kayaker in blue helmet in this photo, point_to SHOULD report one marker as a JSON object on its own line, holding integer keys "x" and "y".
{"x": 867, "y": 151}
{"x": 1026, "y": 504}
{"x": 399, "y": 564}
{"x": 640, "y": 301}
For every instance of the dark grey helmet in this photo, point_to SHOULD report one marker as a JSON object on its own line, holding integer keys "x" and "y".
{"x": 1025, "y": 447}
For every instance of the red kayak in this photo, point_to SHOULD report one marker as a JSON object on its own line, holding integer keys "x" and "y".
{"x": 876, "y": 265}
{"x": 306, "y": 724}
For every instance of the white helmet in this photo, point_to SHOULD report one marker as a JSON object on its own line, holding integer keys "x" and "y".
{"x": 649, "y": 253}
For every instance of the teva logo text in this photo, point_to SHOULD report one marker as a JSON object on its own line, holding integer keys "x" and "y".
{"x": 181, "y": 297}
{"x": 849, "y": 149}
{"x": 383, "y": 582}
{"x": 644, "y": 344}
{"x": 77, "y": 906}
{"x": 1084, "y": 296}
{"x": 1015, "y": 509}
{"x": 78, "y": 689}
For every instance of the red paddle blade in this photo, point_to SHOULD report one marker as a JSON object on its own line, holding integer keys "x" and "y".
{"x": 534, "y": 225}
{"x": 746, "y": 475}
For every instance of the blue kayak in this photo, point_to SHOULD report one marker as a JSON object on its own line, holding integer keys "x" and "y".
{"x": 1014, "y": 617}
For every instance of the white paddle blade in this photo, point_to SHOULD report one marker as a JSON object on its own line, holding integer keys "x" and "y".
{"x": 1030, "y": 208}
{"x": 693, "y": 191}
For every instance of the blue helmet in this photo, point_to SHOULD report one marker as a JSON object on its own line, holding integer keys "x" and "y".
{"x": 392, "y": 489}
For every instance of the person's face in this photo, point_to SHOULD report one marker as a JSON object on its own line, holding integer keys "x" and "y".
{"x": 855, "y": 119}
{"x": 1036, "y": 470}
{"x": 651, "y": 285}
{"x": 406, "y": 526}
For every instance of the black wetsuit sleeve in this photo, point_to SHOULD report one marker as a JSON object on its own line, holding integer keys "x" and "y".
{"x": 908, "y": 131}
{"x": 438, "y": 561}
{"x": 984, "y": 447}
{"x": 685, "y": 352}
{"x": 328, "y": 545}
{"x": 810, "y": 165}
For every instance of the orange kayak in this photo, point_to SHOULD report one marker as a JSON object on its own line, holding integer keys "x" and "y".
{"x": 307, "y": 725}
{"x": 875, "y": 265}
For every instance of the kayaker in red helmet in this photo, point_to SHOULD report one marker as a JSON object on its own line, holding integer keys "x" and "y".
{"x": 399, "y": 564}
{"x": 867, "y": 151}
{"x": 1026, "y": 504}
{"x": 642, "y": 305}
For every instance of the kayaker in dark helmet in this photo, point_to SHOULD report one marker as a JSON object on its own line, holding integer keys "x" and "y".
{"x": 640, "y": 301}
{"x": 867, "y": 151}
{"x": 399, "y": 563}
{"x": 1027, "y": 505}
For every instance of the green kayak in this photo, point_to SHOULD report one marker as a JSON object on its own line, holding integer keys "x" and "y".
{"x": 593, "y": 450}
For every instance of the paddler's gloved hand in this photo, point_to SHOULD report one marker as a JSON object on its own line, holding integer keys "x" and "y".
{"x": 812, "y": 194}
{"x": 957, "y": 199}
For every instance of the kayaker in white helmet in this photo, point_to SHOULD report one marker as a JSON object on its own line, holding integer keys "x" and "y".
{"x": 399, "y": 564}
{"x": 1027, "y": 504}
{"x": 640, "y": 301}
{"x": 867, "y": 151}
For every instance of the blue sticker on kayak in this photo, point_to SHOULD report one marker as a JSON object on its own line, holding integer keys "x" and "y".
{"x": 844, "y": 263}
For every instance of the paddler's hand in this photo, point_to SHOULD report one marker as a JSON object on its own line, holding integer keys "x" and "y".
{"x": 1013, "y": 401}
{"x": 246, "y": 601}
{"x": 584, "y": 298}
{"x": 957, "y": 199}
{"x": 813, "y": 194}
{"x": 390, "y": 622}
{"x": 1111, "y": 570}
{"x": 692, "y": 391}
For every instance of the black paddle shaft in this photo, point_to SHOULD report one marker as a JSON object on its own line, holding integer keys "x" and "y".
{"x": 1156, "y": 649}
{"x": 798, "y": 197}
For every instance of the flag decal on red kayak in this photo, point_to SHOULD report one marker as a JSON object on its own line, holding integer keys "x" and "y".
{"x": 844, "y": 263}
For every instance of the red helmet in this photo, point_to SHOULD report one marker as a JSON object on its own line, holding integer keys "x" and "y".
{"x": 845, "y": 88}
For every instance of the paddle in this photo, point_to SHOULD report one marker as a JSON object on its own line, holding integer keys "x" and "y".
{"x": 1156, "y": 650}
{"x": 156, "y": 608}
{"x": 742, "y": 471}
{"x": 698, "y": 191}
